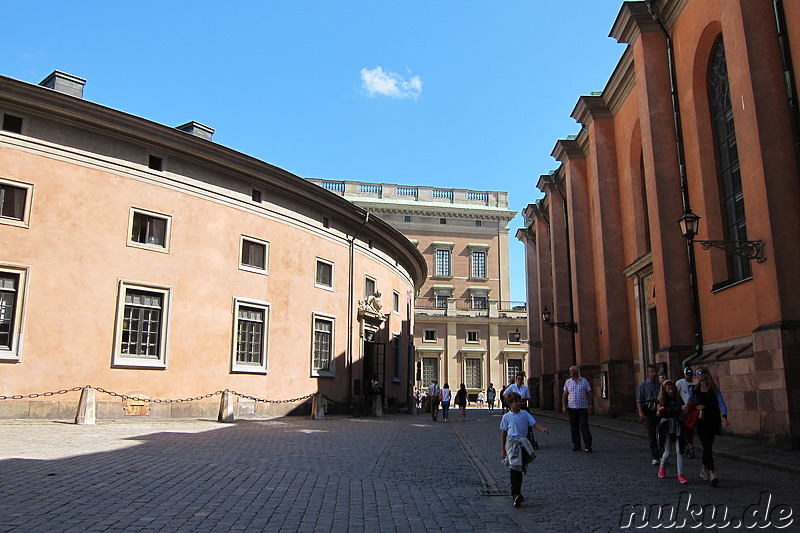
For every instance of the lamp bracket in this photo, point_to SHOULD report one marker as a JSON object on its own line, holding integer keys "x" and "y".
{"x": 752, "y": 250}
{"x": 569, "y": 326}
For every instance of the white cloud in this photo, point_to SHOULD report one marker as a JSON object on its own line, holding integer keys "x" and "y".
{"x": 387, "y": 83}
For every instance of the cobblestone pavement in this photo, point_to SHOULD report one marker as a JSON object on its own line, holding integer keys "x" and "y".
{"x": 400, "y": 473}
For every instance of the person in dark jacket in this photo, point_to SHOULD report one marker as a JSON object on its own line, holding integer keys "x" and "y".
{"x": 671, "y": 433}
{"x": 713, "y": 414}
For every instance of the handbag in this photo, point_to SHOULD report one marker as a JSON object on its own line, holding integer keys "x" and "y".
{"x": 692, "y": 416}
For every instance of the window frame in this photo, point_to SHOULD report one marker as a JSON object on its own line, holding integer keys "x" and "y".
{"x": 517, "y": 337}
{"x": 318, "y": 372}
{"x": 439, "y": 263}
{"x": 425, "y": 335}
{"x": 241, "y": 367}
{"x": 253, "y": 268}
{"x": 121, "y": 360}
{"x": 474, "y": 274}
{"x": 152, "y": 214}
{"x": 395, "y": 302}
{"x": 23, "y": 222}
{"x": 476, "y": 334}
{"x": 478, "y": 362}
{"x": 317, "y": 282}
{"x": 13, "y": 351}
{"x": 367, "y": 280}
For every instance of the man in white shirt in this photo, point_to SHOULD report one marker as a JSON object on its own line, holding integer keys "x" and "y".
{"x": 520, "y": 388}
{"x": 685, "y": 387}
{"x": 433, "y": 399}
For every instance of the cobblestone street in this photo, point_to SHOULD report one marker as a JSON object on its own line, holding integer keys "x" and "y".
{"x": 399, "y": 473}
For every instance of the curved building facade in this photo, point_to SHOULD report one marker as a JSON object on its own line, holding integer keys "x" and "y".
{"x": 152, "y": 262}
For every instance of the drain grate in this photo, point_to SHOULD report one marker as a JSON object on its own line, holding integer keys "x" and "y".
{"x": 493, "y": 492}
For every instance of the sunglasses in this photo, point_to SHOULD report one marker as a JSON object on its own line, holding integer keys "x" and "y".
{"x": 699, "y": 373}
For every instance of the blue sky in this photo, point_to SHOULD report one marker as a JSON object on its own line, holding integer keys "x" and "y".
{"x": 452, "y": 94}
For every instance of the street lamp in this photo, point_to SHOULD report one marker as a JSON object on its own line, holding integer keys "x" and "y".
{"x": 569, "y": 326}
{"x": 533, "y": 344}
{"x": 751, "y": 250}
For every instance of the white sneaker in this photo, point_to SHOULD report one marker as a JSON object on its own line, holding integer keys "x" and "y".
{"x": 704, "y": 475}
{"x": 712, "y": 480}
{"x": 655, "y": 462}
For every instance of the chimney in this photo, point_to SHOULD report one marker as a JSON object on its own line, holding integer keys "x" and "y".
{"x": 197, "y": 129}
{"x": 64, "y": 83}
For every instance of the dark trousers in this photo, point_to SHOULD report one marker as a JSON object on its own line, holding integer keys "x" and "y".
{"x": 434, "y": 408}
{"x": 706, "y": 433}
{"x": 516, "y": 476}
{"x": 651, "y": 420}
{"x": 579, "y": 425}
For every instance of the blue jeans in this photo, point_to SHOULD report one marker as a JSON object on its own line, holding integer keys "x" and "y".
{"x": 445, "y": 409}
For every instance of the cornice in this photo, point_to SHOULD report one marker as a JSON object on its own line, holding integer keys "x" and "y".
{"x": 567, "y": 149}
{"x": 589, "y": 108}
{"x": 86, "y": 115}
{"x": 633, "y": 20}
{"x": 621, "y": 82}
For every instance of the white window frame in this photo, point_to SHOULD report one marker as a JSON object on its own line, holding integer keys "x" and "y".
{"x": 478, "y": 248}
{"x": 167, "y": 230}
{"x": 125, "y": 360}
{"x": 396, "y": 302}
{"x": 23, "y": 222}
{"x": 477, "y": 335}
{"x": 425, "y": 335}
{"x": 13, "y": 351}
{"x": 252, "y": 268}
{"x": 439, "y": 271}
{"x": 331, "y": 371}
{"x": 316, "y": 279}
{"x": 241, "y": 367}
{"x": 374, "y": 281}
{"x": 517, "y": 337}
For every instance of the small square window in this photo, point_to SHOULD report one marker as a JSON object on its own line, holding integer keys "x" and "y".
{"x": 254, "y": 254}
{"x": 406, "y": 218}
{"x": 149, "y": 230}
{"x": 251, "y": 327}
{"x": 256, "y": 196}
{"x": 14, "y": 202}
{"x": 141, "y": 330}
{"x": 156, "y": 163}
{"x": 442, "y": 221}
{"x": 396, "y": 302}
{"x": 324, "y": 276}
{"x": 473, "y": 336}
{"x": 430, "y": 335}
{"x": 514, "y": 337}
{"x": 478, "y": 223}
{"x": 12, "y": 123}
{"x": 480, "y": 302}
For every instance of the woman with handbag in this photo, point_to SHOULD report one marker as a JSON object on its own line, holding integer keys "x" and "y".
{"x": 713, "y": 413}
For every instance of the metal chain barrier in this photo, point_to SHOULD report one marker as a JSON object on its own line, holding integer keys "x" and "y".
{"x": 126, "y": 397}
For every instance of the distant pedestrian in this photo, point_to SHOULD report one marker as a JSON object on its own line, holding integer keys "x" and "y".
{"x": 577, "y": 402}
{"x": 491, "y": 394}
{"x": 713, "y": 413}
{"x": 433, "y": 398}
{"x": 481, "y": 398}
{"x": 671, "y": 433}
{"x": 515, "y": 448}
{"x": 445, "y": 394}
{"x": 685, "y": 387}
{"x": 461, "y": 402}
{"x": 646, "y": 403}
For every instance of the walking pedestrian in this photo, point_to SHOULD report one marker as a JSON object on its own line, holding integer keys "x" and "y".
{"x": 685, "y": 387}
{"x": 577, "y": 402}
{"x": 646, "y": 403}
{"x": 433, "y": 398}
{"x": 445, "y": 394}
{"x": 671, "y": 432}
{"x": 491, "y": 394}
{"x": 461, "y": 402}
{"x": 515, "y": 448}
{"x": 520, "y": 388}
{"x": 713, "y": 414}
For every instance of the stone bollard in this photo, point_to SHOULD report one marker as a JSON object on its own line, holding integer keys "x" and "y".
{"x": 87, "y": 413}
{"x": 225, "y": 408}
{"x": 318, "y": 407}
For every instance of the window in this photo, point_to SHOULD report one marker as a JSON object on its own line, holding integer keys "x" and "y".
{"x": 256, "y": 196}
{"x": 480, "y": 302}
{"x": 442, "y": 221}
{"x": 149, "y": 230}
{"x": 513, "y": 367}
{"x": 254, "y": 254}
{"x": 370, "y": 287}
{"x": 441, "y": 301}
{"x": 324, "y": 276}
{"x": 14, "y": 202}
{"x": 730, "y": 179}
{"x": 396, "y": 357}
{"x": 406, "y": 218}
{"x": 155, "y": 163}
{"x": 12, "y": 123}
{"x": 472, "y": 373}
{"x": 141, "y": 326}
{"x": 251, "y": 326}
{"x": 430, "y": 369}
{"x": 473, "y": 336}
{"x": 322, "y": 361}
{"x": 478, "y": 264}
{"x": 514, "y": 337}
{"x": 12, "y": 284}
{"x": 430, "y": 335}
{"x": 478, "y": 223}
{"x": 396, "y": 302}
{"x": 443, "y": 263}
{"x": 326, "y": 222}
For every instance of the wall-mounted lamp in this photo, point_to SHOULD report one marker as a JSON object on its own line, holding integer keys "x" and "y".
{"x": 752, "y": 250}
{"x": 569, "y": 326}
{"x": 533, "y": 344}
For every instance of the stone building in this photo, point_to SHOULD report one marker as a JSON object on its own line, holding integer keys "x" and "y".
{"x": 699, "y": 118}
{"x": 466, "y": 328}
{"x": 152, "y": 262}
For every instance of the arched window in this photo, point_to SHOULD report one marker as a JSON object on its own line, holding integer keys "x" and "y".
{"x": 730, "y": 178}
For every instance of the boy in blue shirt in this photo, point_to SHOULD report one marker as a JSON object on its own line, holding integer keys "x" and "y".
{"x": 516, "y": 449}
